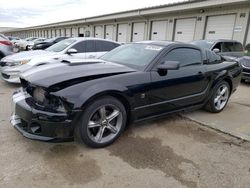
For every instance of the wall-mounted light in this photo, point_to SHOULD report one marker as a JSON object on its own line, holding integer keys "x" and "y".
{"x": 202, "y": 10}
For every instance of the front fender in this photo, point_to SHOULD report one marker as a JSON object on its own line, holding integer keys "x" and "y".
{"x": 78, "y": 95}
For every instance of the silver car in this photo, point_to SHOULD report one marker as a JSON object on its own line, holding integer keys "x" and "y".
{"x": 72, "y": 48}
{"x": 6, "y": 47}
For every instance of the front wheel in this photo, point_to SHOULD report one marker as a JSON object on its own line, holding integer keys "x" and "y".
{"x": 219, "y": 98}
{"x": 102, "y": 122}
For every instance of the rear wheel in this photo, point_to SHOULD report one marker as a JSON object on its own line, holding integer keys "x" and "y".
{"x": 219, "y": 98}
{"x": 102, "y": 122}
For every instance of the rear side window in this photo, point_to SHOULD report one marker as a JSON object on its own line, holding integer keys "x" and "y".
{"x": 90, "y": 46}
{"x": 104, "y": 46}
{"x": 238, "y": 47}
{"x": 186, "y": 56}
{"x": 227, "y": 47}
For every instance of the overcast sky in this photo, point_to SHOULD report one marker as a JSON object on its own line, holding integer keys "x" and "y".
{"x": 23, "y": 13}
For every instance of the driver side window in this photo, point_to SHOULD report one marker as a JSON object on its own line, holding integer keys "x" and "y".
{"x": 185, "y": 56}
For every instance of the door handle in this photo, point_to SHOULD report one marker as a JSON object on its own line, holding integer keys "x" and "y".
{"x": 91, "y": 56}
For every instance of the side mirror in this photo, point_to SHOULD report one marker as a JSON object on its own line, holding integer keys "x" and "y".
{"x": 163, "y": 68}
{"x": 216, "y": 50}
{"x": 71, "y": 51}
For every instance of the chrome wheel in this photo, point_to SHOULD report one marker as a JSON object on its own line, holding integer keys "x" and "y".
{"x": 104, "y": 124}
{"x": 221, "y": 97}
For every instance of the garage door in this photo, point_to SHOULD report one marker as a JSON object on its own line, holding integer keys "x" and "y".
{"x": 68, "y": 32}
{"x": 122, "y": 32}
{"x": 62, "y": 32}
{"x": 220, "y": 27}
{"x": 98, "y": 31}
{"x": 184, "y": 29}
{"x": 53, "y": 33}
{"x": 109, "y": 32}
{"x": 58, "y": 32}
{"x": 74, "y": 32}
{"x": 138, "y": 31}
{"x": 49, "y": 33}
{"x": 159, "y": 30}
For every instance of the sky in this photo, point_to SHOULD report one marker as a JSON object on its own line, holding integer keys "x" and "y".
{"x": 25, "y": 13}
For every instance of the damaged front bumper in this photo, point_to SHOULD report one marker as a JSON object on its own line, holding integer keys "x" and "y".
{"x": 36, "y": 123}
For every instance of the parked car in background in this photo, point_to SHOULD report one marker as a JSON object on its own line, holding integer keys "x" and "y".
{"x": 95, "y": 99}
{"x": 230, "y": 48}
{"x": 30, "y": 44}
{"x": 83, "y": 48}
{"x": 47, "y": 43}
{"x": 22, "y": 44}
{"x": 14, "y": 39}
{"x": 247, "y": 50}
{"x": 6, "y": 47}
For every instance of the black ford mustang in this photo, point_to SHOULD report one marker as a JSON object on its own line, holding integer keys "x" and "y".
{"x": 96, "y": 99}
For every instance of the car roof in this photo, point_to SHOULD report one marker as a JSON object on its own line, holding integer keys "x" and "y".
{"x": 158, "y": 43}
{"x": 91, "y": 38}
{"x": 169, "y": 43}
{"x": 216, "y": 40}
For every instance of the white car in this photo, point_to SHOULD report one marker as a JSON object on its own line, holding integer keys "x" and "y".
{"x": 30, "y": 44}
{"x": 21, "y": 44}
{"x": 73, "y": 48}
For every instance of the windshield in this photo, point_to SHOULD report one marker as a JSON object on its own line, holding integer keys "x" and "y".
{"x": 203, "y": 44}
{"x": 60, "y": 46}
{"x": 50, "y": 39}
{"x": 133, "y": 55}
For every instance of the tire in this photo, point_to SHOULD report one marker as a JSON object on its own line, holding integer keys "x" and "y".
{"x": 102, "y": 122}
{"x": 218, "y": 100}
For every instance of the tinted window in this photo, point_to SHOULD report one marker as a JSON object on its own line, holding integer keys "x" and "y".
{"x": 90, "y": 46}
{"x": 213, "y": 58}
{"x": 228, "y": 47}
{"x": 104, "y": 46}
{"x": 80, "y": 47}
{"x": 186, "y": 56}
{"x": 238, "y": 47}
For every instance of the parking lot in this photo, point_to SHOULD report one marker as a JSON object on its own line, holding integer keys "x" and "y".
{"x": 171, "y": 152}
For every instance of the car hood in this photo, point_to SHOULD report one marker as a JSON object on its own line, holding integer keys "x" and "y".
{"x": 51, "y": 74}
{"x": 26, "y": 55}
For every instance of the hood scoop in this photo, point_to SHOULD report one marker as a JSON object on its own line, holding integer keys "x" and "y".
{"x": 73, "y": 62}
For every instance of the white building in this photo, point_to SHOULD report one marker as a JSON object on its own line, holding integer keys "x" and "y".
{"x": 185, "y": 21}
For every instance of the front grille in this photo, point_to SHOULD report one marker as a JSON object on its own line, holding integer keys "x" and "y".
{"x": 5, "y": 76}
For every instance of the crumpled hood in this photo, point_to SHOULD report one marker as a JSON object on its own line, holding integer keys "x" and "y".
{"x": 51, "y": 74}
{"x": 26, "y": 55}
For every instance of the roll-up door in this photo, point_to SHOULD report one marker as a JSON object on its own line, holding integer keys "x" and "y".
{"x": 122, "y": 32}
{"x": 138, "y": 31}
{"x": 159, "y": 30}
{"x": 109, "y": 32}
{"x": 184, "y": 29}
{"x": 98, "y": 31}
{"x": 68, "y": 32}
{"x": 220, "y": 27}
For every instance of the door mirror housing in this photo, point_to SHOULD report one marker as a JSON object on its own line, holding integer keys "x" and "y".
{"x": 216, "y": 50}
{"x": 163, "y": 68}
{"x": 71, "y": 51}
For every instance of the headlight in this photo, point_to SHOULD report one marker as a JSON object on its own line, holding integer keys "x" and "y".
{"x": 39, "y": 94}
{"x": 49, "y": 101}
